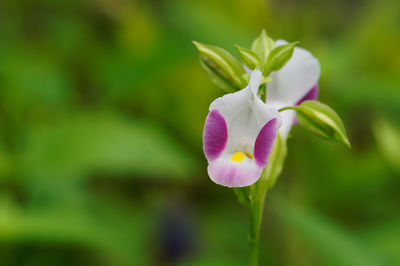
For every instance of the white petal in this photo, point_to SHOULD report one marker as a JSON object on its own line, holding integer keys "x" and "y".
{"x": 234, "y": 174}
{"x": 295, "y": 79}
{"x": 245, "y": 115}
{"x": 230, "y": 105}
{"x": 288, "y": 119}
{"x": 255, "y": 79}
{"x": 265, "y": 112}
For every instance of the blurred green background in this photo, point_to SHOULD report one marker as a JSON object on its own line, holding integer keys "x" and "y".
{"x": 102, "y": 105}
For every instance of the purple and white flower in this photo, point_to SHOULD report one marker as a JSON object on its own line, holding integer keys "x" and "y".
{"x": 239, "y": 134}
{"x": 294, "y": 83}
{"x": 240, "y": 129}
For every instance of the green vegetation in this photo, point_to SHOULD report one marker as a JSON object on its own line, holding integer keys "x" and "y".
{"x": 102, "y": 107}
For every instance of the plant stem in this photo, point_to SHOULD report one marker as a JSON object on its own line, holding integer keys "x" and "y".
{"x": 256, "y": 209}
{"x": 263, "y": 92}
{"x": 287, "y": 108}
{"x": 253, "y": 254}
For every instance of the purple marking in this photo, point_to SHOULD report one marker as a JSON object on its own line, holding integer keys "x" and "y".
{"x": 264, "y": 142}
{"x": 215, "y": 135}
{"x": 312, "y": 94}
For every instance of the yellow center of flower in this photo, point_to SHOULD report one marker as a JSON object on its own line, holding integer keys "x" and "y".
{"x": 238, "y": 156}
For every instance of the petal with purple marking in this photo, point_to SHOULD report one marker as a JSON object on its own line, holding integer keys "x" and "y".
{"x": 238, "y": 122}
{"x": 312, "y": 94}
{"x": 264, "y": 142}
{"x": 215, "y": 135}
{"x": 295, "y": 79}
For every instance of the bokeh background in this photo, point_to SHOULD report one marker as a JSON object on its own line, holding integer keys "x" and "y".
{"x": 102, "y": 105}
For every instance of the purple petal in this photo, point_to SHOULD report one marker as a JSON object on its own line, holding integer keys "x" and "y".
{"x": 264, "y": 142}
{"x": 215, "y": 135}
{"x": 312, "y": 94}
{"x": 231, "y": 174}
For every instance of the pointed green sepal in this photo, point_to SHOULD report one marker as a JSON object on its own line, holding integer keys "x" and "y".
{"x": 322, "y": 120}
{"x": 278, "y": 57}
{"x": 215, "y": 78}
{"x": 262, "y": 46}
{"x": 249, "y": 58}
{"x": 222, "y": 64}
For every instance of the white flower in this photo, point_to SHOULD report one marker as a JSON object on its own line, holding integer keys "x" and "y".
{"x": 294, "y": 83}
{"x": 239, "y": 133}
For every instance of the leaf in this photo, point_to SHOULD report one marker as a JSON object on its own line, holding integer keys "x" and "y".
{"x": 119, "y": 240}
{"x": 101, "y": 142}
{"x": 279, "y": 56}
{"x": 334, "y": 243}
{"x": 384, "y": 237}
{"x": 322, "y": 120}
{"x": 5, "y": 160}
{"x": 262, "y": 46}
{"x": 249, "y": 58}
{"x": 388, "y": 140}
{"x": 223, "y": 64}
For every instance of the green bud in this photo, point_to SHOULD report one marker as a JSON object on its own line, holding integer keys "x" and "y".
{"x": 278, "y": 57}
{"x": 262, "y": 46}
{"x": 215, "y": 78}
{"x": 222, "y": 64}
{"x": 322, "y": 120}
{"x": 249, "y": 58}
{"x": 246, "y": 77}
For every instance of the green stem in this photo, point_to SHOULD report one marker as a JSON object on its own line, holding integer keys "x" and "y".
{"x": 253, "y": 254}
{"x": 263, "y": 92}
{"x": 287, "y": 108}
{"x": 256, "y": 209}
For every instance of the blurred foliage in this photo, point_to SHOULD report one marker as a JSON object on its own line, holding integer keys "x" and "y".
{"x": 102, "y": 104}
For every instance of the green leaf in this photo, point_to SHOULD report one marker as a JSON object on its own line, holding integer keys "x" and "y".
{"x": 77, "y": 146}
{"x": 334, "y": 245}
{"x": 388, "y": 139}
{"x": 75, "y": 225}
{"x": 249, "y": 58}
{"x": 322, "y": 120}
{"x": 279, "y": 56}
{"x": 262, "y": 46}
{"x": 384, "y": 237}
{"x": 222, "y": 63}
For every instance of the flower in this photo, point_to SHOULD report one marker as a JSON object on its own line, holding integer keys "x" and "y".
{"x": 294, "y": 83}
{"x": 239, "y": 133}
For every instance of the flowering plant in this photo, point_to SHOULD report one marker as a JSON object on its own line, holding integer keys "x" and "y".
{"x": 245, "y": 132}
